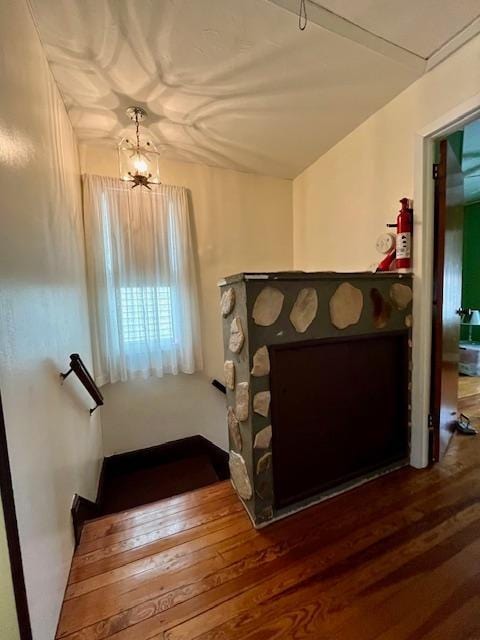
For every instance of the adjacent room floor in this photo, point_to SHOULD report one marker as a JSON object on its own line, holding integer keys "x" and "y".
{"x": 469, "y": 398}
{"x": 398, "y": 558}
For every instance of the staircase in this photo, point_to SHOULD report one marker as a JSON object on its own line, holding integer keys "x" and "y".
{"x": 136, "y": 478}
{"x": 126, "y": 563}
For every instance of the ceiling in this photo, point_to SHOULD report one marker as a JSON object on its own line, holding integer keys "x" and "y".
{"x": 420, "y": 26}
{"x": 234, "y": 83}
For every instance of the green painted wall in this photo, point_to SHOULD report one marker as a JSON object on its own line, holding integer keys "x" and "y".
{"x": 471, "y": 264}
{"x": 8, "y": 614}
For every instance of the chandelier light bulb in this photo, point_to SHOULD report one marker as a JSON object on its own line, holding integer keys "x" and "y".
{"x": 140, "y": 165}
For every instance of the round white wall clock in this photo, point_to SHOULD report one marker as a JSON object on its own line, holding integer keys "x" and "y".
{"x": 385, "y": 243}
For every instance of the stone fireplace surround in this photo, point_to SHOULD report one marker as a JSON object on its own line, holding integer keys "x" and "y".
{"x": 260, "y": 310}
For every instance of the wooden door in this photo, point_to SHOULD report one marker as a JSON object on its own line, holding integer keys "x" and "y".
{"x": 447, "y": 294}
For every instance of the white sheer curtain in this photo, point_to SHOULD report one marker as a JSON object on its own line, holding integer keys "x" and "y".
{"x": 141, "y": 277}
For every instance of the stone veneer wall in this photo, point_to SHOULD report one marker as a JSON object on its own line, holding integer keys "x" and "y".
{"x": 260, "y": 310}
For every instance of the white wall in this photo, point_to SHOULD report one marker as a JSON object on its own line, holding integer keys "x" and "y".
{"x": 343, "y": 200}
{"x": 242, "y": 222}
{"x": 54, "y": 446}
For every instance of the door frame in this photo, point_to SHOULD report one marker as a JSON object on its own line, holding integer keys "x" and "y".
{"x": 13, "y": 539}
{"x": 423, "y": 193}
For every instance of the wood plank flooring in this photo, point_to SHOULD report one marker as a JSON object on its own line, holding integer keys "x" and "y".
{"x": 469, "y": 397}
{"x": 396, "y": 559}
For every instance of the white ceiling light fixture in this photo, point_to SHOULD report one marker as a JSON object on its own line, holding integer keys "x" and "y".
{"x": 137, "y": 156}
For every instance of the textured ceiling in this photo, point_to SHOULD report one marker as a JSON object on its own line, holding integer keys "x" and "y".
{"x": 231, "y": 83}
{"x": 421, "y": 26}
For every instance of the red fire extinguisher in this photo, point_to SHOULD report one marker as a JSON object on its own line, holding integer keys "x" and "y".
{"x": 388, "y": 263}
{"x": 403, "y": 245}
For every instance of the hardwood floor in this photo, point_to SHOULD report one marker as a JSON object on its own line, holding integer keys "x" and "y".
{"x": 396, "y": 559}
{"x": 469, "y": 398}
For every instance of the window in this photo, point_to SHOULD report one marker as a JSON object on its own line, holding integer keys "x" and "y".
{"x": 146, "y": 315}
{"x": 142, "y": 284}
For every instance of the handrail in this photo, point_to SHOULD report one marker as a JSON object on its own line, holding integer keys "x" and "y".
{"x": 218, "y": 385}
{"x": 78, "y": 367}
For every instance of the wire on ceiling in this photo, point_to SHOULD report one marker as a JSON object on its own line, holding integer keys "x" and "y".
{"x": 302, "y": 15}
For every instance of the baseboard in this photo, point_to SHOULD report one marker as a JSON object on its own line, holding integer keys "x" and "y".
{"x": 84, "y": 509}
{"x": 101, "y": 484}
{"x": 168, "y": 452}
{"x": 218, "y": 457}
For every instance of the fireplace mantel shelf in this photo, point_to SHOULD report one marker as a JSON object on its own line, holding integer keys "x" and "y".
{"x": 286, "y": 276}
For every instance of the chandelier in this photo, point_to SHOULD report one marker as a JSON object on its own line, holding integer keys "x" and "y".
{"x": 137, "y": 155}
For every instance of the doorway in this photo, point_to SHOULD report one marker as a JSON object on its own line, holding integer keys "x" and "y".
{"x": 12, "y": 583}
{"x": 455, "y": 388}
